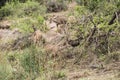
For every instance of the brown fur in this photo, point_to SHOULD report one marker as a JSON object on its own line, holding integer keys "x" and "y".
{"x": 56, "y": 23}
{"x": 37, "y": 36}
{"x": 59, "y": 19}
{"x": 61, "y": 29}
{"x": 52, "y": 49}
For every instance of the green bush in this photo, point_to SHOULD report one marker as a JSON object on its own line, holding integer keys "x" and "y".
{"x": 58, "y": 75}
{"x": 40, "y": 19}
{"x": 24, "y": 14}
{"x": 55, "y": 6}
{"x": 82, "y": 2}
{"x": 6, "y": 10}
{"x": 94, "y": 5}
{"x": 29, "y": 8}
{"x": 42, "y": 1}
{"x": 33, "y": 8}
{"x": 81, "y": 10}
{"x": 106, "y": 10}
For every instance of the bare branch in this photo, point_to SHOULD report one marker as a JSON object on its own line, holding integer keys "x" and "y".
{"x": 114, "y": 17}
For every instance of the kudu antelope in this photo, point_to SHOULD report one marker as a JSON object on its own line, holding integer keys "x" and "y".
{"x": 37, "y": 35}
{"x": 56, "y": 23}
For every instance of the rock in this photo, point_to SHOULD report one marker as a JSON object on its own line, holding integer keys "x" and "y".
{"x": 22, "y": 42}
{"x": 5, "y": 25}
{"x": 8, "y": 36}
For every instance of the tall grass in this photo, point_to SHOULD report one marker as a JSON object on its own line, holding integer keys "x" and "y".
{"x": 5, "y": 67}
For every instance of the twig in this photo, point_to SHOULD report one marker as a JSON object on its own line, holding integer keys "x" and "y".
{"x": 93, "y": 32}
{"x": 114, "y": 17}
{"x": 88, "y": 39}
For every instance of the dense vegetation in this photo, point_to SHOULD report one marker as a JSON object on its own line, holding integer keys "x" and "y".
{"x": 98, "y": 24}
